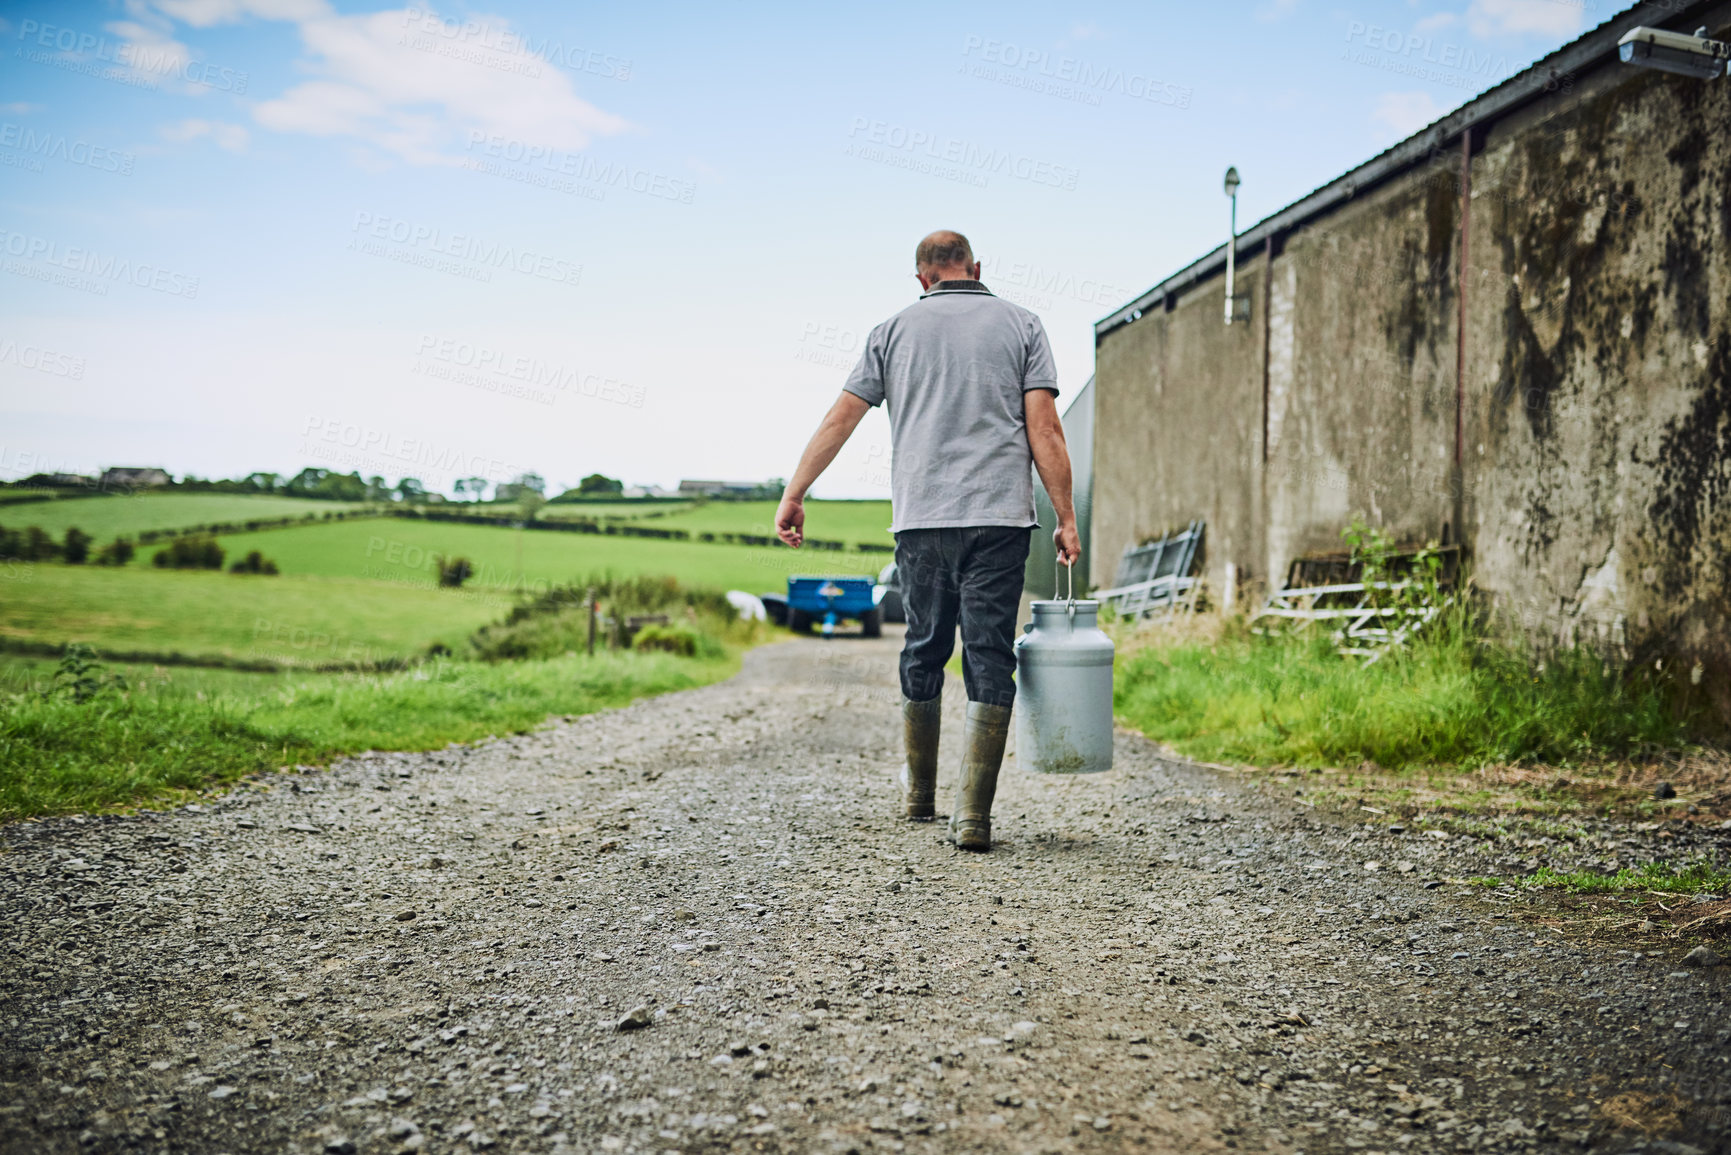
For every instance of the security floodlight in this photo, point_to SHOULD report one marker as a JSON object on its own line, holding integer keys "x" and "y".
{"x": 1232, "y": 183}
{"x": 1675, "y": 52}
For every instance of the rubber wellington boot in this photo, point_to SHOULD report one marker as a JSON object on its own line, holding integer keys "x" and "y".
{"x": 920, "y": 724}
{"x": 971, "y": 821}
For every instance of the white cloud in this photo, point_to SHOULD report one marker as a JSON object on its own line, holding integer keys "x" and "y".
{"x": 20, "y": 108}
{"x": 392, "y": 80}
{"x": 1275, "y": 10}
{"x": 1406, "y": 112}
{"x": 233, "y": 137}
{"x": 1488, "y": 18}
{"x": 1435, "y": 21}
{"x": 206, "y": 13}
{"x": 150, "y": 50}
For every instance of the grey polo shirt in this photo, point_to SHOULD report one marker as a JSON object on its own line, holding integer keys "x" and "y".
{"x": 953, "y": 367}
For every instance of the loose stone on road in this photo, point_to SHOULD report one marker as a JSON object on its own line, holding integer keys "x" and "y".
{"x": 697, "y": 924}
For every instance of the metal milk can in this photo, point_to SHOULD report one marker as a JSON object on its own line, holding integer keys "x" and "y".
{"x": 1064, "y": 690}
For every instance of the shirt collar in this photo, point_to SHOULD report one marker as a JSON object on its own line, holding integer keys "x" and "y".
{"x": 956, "y": 287}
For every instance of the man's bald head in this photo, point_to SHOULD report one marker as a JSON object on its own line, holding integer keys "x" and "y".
{"x": 945, "y": 256}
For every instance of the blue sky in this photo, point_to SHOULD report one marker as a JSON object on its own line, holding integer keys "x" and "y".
{"x": 639, "y": 239}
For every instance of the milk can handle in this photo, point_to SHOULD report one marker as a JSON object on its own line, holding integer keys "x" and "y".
{"x": 1070, "y": 573}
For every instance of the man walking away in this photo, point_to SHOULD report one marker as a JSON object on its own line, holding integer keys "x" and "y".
{"x": 972, "y": 395}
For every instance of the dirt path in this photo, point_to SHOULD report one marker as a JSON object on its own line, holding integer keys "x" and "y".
{"x": 433, "y": 952}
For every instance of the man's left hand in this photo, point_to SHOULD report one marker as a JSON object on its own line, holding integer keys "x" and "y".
{"x": 790, "y": 522}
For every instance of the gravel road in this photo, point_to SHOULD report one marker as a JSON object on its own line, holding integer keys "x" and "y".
{"x": 694, "y": 925}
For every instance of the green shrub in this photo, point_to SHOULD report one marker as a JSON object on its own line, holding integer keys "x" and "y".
{"x": 676, "y": 639}
{"x": 254, "y": 562}
{"x": 117, "y": 552}
{"x": 75, "y": 548}
{"x": 32, "y": 544}
{"x": 189, "y": 553}
{"x": 557, "y": 620}
{"x": 454, "y": 571}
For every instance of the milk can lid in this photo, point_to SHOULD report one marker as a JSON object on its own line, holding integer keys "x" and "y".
{"x": 1059, "y": 605}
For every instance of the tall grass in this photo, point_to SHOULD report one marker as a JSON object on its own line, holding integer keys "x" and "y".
{"x": 122, "y": 747}
{"x": 1452, "y": 698}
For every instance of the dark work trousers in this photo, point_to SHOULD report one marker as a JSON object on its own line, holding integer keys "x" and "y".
{"x": 973, "y": 577}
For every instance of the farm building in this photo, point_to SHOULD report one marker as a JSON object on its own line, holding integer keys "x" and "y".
{"x": 1512, "y": 331}
{"x": 134, "y": 477}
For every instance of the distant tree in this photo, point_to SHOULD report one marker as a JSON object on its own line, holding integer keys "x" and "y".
{"x": 306, "y": 482}
{"x": 474, "y": 488}
{"x": 599, "y": 485}
{"x": 454, "y": 571}
{"x": 329, "y": 486}
{"x": 117, "y": 552}
{"x": 38, "y": 546}
{"x": 189, "y": 553}
{"x": 410, "y": 490}
{"x": 377, "y": 490}
{"x": 75, "y": 548}
{"x": 264, "y": 482}
{"x": 254, "y": 562}
{"x": 11, "y": 545}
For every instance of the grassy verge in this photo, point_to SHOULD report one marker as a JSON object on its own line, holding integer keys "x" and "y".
{"x": 176, "y": 733}
{"x": 1654, "y": 877}
{"x": 1448, "y": 700}
{"x": 77, "y": 735}
{"x": 1454, "y": 721}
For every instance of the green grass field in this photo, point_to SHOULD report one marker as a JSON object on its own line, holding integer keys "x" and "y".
{"x": 849, "y": 521}
{"x": 401, "y": 550}
{"x": 292, "y": 620}
{"x": 109, "y": 516}
{"x": 175, "y": 733}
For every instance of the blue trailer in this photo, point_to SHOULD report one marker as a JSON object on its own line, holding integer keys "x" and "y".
{"x": 827, "y": 601}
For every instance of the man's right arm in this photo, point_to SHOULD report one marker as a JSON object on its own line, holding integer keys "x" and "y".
{"x": 1052, "y": 459}
{"x": 832, "y": 433}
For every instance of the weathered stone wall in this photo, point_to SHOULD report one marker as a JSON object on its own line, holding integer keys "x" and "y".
{"x": 1592, "y": 491}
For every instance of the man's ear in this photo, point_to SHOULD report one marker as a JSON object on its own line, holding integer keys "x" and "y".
{"x": 974, "y": 271}
{"x": 925, "y": 281}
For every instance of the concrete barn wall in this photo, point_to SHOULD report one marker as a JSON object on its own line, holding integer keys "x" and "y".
{"x": 1592, "y": 491}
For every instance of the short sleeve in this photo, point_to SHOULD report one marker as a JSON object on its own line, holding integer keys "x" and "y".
{"x": 867, "y": 379}
{"x": 1040, "y": 372}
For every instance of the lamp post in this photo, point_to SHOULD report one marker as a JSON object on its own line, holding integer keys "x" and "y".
{"x": 1231, "y": 239}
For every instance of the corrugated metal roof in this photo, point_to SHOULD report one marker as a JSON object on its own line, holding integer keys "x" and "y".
{"x": 1591, "y": 50}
